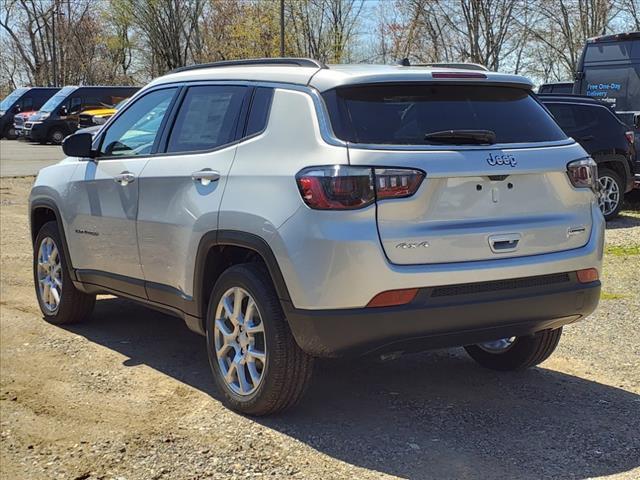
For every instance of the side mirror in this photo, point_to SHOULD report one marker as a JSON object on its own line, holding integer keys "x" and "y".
{"x": 16, "y": 109}
{"x": 636, "y": 121}
{"x": 78, "y": 145}
{"x": 63, "y": 111}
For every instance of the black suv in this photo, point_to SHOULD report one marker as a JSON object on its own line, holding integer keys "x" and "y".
{"x": 596, "y": 127}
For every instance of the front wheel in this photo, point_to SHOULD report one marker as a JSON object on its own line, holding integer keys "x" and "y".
{"x": 56, "y": 136}
{"x": 256, "y": 363}
{"x": 516, "y": 353}
{"x": 60, "y": 301}
{"x": 10, "y": 133}
{"x": 611, "y": 193}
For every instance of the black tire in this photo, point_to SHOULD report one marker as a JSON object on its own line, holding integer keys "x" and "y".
{"x": 524, "y": 352}
{"x": 615, "y": 177}
{"x": 10, "y": 133}
{"x": 56, "y": 136}
{"x": 287, "y": 370}
{"x": 74, "y": 306}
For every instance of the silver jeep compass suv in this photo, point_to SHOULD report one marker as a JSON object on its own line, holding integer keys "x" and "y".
{"x": 288, "y": 210}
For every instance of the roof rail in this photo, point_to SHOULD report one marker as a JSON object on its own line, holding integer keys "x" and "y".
{"x": 462, "y": 66}
{"x": 282, "y": 61}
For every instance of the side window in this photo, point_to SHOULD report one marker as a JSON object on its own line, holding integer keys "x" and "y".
{"x": 75, "y": 105}
{"x": 134, "y": 132}
{"x": 564, "y": 115}
{"x": 259, "y": 114}
{"x": 207, "y": 118}
{"x": 575, "y": 120}
{"x": 27, "y": 104}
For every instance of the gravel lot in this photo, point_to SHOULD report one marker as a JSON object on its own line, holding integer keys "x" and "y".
{"x": 129, "y": 396}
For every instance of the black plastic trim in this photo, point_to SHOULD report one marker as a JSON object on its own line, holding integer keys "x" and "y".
{"x": 49, "y": 204}
{"x": 439, "y": 322}
{"x": 238, "y": 239}
{"x": 113, "y": 282}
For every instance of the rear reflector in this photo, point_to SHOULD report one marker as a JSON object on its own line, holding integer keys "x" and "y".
{"x": 393, "y": 297}
{"x": 458, "y": 75}
{"x": 588, "y": 275}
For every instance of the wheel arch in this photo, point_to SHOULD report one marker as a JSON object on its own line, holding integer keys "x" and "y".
{"x": 43, "y": 211}
{"x": 220, "y": 249}
{"x": 619, "y": 165}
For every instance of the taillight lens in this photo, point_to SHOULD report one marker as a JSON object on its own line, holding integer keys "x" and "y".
{"x": 344, "y": 187}
{"x": 630, "y": 136}
{"x": 396, "y": 182}
{"x": 583, "y": 173}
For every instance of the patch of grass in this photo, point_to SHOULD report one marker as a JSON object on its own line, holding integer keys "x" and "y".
{"x": 622, "y": 250}
{"x": 611, "y": 296}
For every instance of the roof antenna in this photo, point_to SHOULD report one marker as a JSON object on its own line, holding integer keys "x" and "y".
{"x": 404, "y": 62}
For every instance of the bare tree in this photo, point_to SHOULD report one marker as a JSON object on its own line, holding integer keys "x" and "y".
{"x": 170, "y": 27}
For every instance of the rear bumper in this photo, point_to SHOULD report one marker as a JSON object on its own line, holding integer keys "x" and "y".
{"x": 448, "y": 316}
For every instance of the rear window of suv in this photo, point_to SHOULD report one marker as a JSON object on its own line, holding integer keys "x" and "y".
{"x": 403, "y": 114}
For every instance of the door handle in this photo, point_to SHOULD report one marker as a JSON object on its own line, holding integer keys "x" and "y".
{"x": 206, "y": 176}
{"x": 124, "y": 178}
{"x": 504, "y": 243}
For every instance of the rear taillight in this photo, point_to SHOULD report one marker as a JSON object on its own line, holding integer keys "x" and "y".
{"x": 343, "y": 187}
{"x": 583, "y": 173}
{"x": 630, "y": 136}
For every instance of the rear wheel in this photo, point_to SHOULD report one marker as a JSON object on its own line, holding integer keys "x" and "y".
{"x": 256, "y": 363}
{"x": 516, "y": 353}
{"x": 56, "y": 136}
{"x": 59, "y": 300}
{"x": 611, "y": 192}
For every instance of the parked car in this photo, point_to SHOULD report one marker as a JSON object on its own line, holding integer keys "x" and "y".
{"x": 21, "y": 100}
{"x": 287, "y": 210}
{"x": 556, "y": 88}
{"x": 595, "y": 126}
{"x": 18, "y": 122}
{"x": 59, "y": 116}
{"x": 98, "y": 116}
{"x": 609, "y": 70}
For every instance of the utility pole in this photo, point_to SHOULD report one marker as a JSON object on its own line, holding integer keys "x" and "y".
{"x": 282, "y": 28}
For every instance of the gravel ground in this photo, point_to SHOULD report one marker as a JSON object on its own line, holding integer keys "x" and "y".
{"x": 129, "y": 396}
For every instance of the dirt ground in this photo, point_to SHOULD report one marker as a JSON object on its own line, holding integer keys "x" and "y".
{"x": 129, "y": 395}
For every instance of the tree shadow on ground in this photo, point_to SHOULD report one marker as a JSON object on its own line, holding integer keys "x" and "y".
{"x": 431, "y": 415}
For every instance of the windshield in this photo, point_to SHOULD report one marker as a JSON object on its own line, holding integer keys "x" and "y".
{"x": 56, "y": 100}
{"x": 11, "y": 98}
{"x": 410, "y": 114}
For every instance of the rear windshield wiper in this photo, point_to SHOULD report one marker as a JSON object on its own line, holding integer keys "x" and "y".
{"x": 462, "y": 137}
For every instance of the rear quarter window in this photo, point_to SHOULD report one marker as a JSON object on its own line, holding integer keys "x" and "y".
{"x": 403, "y": 114}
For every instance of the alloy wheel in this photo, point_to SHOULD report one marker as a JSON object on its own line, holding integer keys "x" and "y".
{"x": 498, "y": 346}
{"x": 239, "y": 341}
{"x": 57, "y": 137}
{"x": 609, "y": 195}
{"x": 49, "y": 274}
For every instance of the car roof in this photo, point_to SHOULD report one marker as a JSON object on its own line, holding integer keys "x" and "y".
{"x": 567, "y": 98}
{"x": 323, "y": 77}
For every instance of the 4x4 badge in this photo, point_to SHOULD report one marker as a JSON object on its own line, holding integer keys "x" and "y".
{"x": 505, "y": 159}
